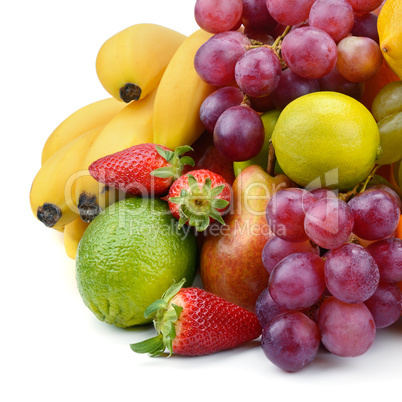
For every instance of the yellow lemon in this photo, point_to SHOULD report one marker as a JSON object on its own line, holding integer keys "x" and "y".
{"x": 390, "y": 34}
{"x": 326, "y": 139}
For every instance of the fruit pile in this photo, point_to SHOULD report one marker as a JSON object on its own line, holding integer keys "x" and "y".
{"x": 245, "y": 153}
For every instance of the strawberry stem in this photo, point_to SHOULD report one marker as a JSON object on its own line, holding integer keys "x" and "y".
{"x": 197, "y": 205}
{"x": 165, "y": 315}
{"x": 176, "y": 161}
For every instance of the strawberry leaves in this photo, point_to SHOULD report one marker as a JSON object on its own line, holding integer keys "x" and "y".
{"x": 165, "y": 315}
{"x": 198, "y": 205}
{"x": 192, "y": 322}
{"x": 176, "y": 161}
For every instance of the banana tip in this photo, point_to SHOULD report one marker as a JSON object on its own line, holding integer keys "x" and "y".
{"x": 88, "y": 207}
{"x": 49, "y": 214}
{"x": 130, "y": 92}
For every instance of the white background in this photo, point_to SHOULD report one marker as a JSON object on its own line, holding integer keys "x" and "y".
{"x": 52, "y": 347}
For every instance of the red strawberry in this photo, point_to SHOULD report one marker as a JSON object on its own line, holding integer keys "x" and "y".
{"x": 141, "y": 169}
{"x": 198, "y": 198}
{"x": 193, "y": 322}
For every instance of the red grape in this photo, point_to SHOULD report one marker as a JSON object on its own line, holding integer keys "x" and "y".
{"x": 286, "y": 211}
{"x": 387, "y": 254}
{"x": 388, "y": 190}
{"x": 332, "y": 16}
{"x": 365, "y": 24}
{"x": 359, "y": 58}
{"x": 329, "y": 222}
{"x": 257, "y": 72}
{"x": 276, "y": 249}
{"x": 310, "y": 52}
{"x": 376, "y": 214}
{"x": 365, "y": 6}
{"x": 289, "y": 12}
{"x": 215, "y": 60}
{"x": 266, "y": 309}
{"x": 218, "y": 15}
{"x": 347, "y": 330}
{"x": 239, "y": 133}
{"x": 256, "y": 17}
{"x": 385, "y": 304}
{"x": 216, "y": 103}
{"x": 351, "y": 274}
{"x": 292, "y": 86}
{"x": 297, "y": 282}
{"x": 261, "y": 104}
{"x": 336, "y": 82}
{"x": 291, "y": 341}
{"x": 320, "y": 193}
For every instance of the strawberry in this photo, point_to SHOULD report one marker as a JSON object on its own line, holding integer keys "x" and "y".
{"x": 141, "y": 169}
{"x": 193, "y": 322}
{"x": 198, "y": 198}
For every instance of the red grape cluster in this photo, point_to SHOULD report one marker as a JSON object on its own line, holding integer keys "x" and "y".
{"x": 270, "y": 52}
{"x": 334, "y": 266}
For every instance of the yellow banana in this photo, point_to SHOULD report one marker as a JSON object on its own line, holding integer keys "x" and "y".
{"x": 50, "y": 195}
{"x": 81, "y": 121}
{"x": 130, "y": 64}
{"x": 179, "y": 96}
{"x": 72, "y": 236}
{"x": 131, "y": 126}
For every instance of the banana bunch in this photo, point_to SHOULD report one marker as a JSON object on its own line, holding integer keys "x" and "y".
{"x": 180, "y": 94}
{"x": 156, "y": 65}
{"x": 130, "y": 64}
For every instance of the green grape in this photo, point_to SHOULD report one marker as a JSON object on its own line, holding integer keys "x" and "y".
{"x": 388, "y": 100}
{"x": 390, "y": 128}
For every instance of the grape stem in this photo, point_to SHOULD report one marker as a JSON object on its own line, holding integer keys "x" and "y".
{"x": 271, "y": 159}
{"x": 246, "y": 100}
{"x": 279, "y": 39}
{"x": 276, "y": 46}
{"x": 355, "y": 190}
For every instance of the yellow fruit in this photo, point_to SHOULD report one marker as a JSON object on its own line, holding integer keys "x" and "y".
{"x": 72, "y": 236}
{"x": 176, "y": 119}
{"x": 94, "y": 115}
{"x": 50, "y": 195}
{"x": 326, "y": 139}
{"x": 130, "y": 64}
{"x": 131, "y": 126}
{"x": 390, "y": 34}
{"x": 129, "y": 255}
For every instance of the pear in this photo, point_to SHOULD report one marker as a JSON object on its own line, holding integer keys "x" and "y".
{"x": 230, "y": 261}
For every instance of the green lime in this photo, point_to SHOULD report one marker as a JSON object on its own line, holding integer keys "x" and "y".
{"x": 326, "y": 139}
{"x": 129, "y": 255}
{"x": 269, "y": 120}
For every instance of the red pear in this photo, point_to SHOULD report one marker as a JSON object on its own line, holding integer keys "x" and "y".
{"x": 231, "y": 264}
